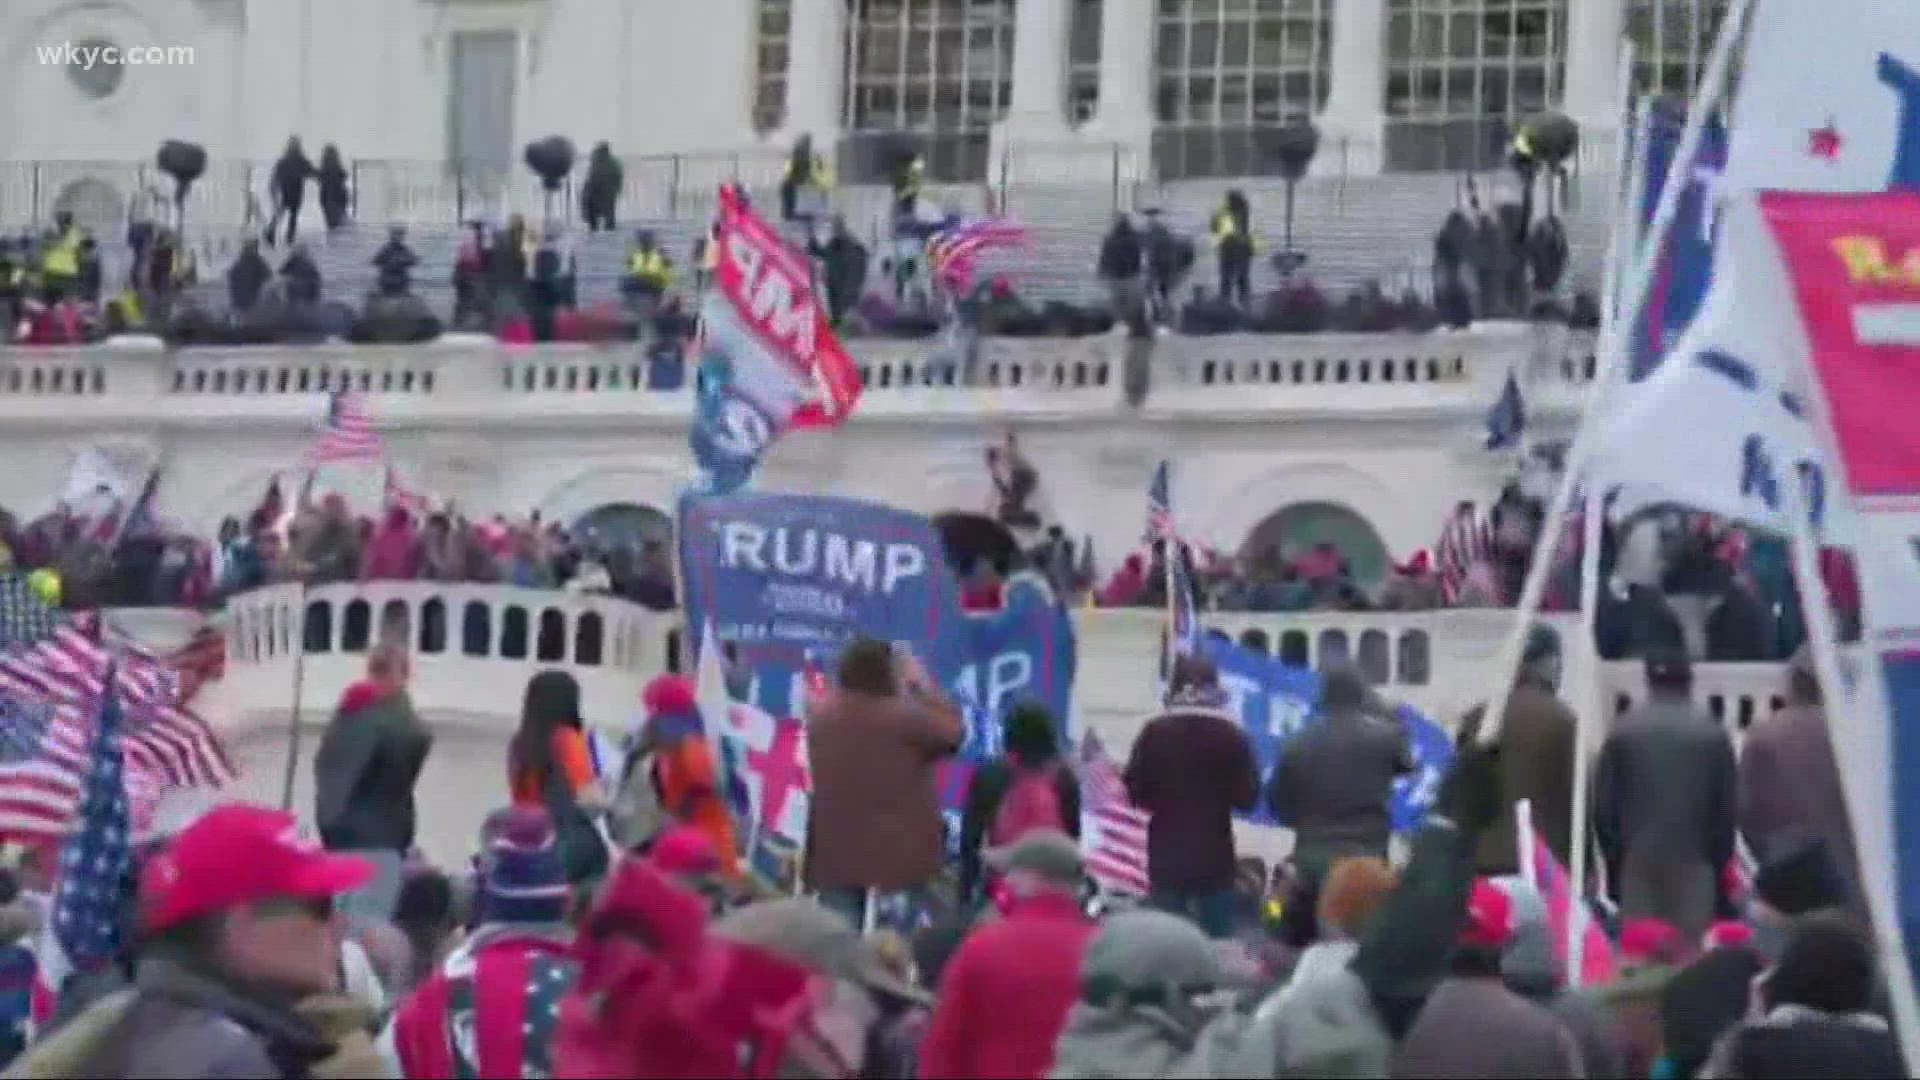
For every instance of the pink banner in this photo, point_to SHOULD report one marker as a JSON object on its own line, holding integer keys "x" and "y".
{"x": 1854, "y": 262}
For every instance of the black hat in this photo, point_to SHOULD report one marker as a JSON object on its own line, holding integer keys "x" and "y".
{"x": 1705, "y": 999}
{"x": 1800, "y": 879}
{"x": 1667, "y": 666}
{"x": 1542, "y": 641}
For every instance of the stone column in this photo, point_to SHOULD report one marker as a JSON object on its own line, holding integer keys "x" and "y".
{"x": 1038, "y": 110}
{"x": 1352, "y": 126}
{"x": 1125, "y": 115}
{"x": 1595, "y": 32}
{"x": 816, "y": 68}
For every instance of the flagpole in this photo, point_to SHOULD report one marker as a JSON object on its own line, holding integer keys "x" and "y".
{"x": 1612, "y": 356}
{"x": 1630, "y": 167}
{"x": 1817, "y": 612}
{"x": 299, "y": 633}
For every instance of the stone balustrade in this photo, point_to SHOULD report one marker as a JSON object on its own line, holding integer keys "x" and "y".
{"x": 476, "y": 645}
{"x": 464, "y": 377}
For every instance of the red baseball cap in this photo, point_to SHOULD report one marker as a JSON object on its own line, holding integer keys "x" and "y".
{"x": 238, "y": 854}
{"x": 1489, "y": 922}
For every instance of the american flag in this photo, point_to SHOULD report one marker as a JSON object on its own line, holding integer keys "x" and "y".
{"x": 53, "y": 676}
{"x": 954, "y": 252}
{"x": 1160, "y": 504}
{"x": 349, "y": 434}
{"x": 1563, "y": 906}
{"x": 1113, "y": 831}
{"x": 399, "y": 494}
{"x": 1467, "y": 539}
{"x": 94, "y": 861}
{"x": 203, "y": 659}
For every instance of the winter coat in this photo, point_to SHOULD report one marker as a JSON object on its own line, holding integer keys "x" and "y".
{"x": 875, "y": 820}
{"x": 364, "y": 773}
{"x": 1794, "y": 1041}
{"x": 1004, "y": 996}
{"x": 1120, "y": 255}
{"x": 1790, "y": 788}
{"x": 989, "y": 786}
{"x": 181, "y": 1022}
{"x": 1664, "y": 796}
{"x": 1191, "y": 770}
{"x": 1477, "y": 1027}
{"x": 1333, "y": 784}
{"x": 487, "y": 1004}
{"x": 1536, "y": 762}
{"x": 1100, "y": 1043}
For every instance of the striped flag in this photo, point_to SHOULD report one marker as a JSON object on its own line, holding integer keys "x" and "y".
{"x": 1160, "y": 504}
{"x": 953, "y": 253}
{"x": 1113, "y": 831}
{"x": 348, "y": 434}
{"x": 203, "y": 659}
{"x": 398, "y": 494}
{"x": 1467, "y": 539}
{"x": 53, "y": 676}
{"x": 1556, "y": 889}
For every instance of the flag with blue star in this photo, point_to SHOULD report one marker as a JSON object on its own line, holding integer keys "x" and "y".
{"x": 95, "y": 860}
{"x": 24, "y": 617}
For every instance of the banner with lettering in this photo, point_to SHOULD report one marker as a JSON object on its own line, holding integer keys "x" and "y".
{"x": 1729, "y": 400}
{"x": 1855, "y": 265}
{"x": 769, "y": 360}
{"x": 792, "y": 578}
{"x": 1277, "y": 701}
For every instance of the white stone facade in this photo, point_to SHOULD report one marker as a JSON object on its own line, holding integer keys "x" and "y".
{"x": 1387, "y": 427}
{"x": 666, "y": 77}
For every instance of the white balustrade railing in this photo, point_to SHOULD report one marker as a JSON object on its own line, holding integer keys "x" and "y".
{"x": 474, "y": 647}
{"x": 475, "y": 377}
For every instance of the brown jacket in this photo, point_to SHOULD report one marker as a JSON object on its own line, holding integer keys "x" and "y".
{"x": 1536, "y": 762}
{"x": 1790, "y": 788}
{"x": 875, "y": 821}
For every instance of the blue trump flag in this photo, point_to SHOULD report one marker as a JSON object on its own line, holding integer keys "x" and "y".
{"x": 1685, "y": 261}
{"x": 792, "y": 577}
{"x": 1275, "y": 702}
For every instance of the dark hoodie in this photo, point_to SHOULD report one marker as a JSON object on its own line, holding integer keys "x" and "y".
{"x": 369, "y": 759}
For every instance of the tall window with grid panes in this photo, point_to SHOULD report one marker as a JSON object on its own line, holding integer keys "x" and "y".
{"x": 935, "y": 74}
{"x": 1462, "y": 74}
{"x": 1671, "y": 39}
{"x": 1227, "y": 70}
{"x": 1083, "y": 62}
{"x": 772, "y": 53}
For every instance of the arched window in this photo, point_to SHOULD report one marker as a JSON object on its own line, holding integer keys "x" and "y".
{"x": 396, "y": 622}
{"x": 433, "y": 626}
{"x": 1671, "y": 39}
{"x": 513, "y": 633}
{"x": 587, "y": 639}
{"x": 1376, "y": 657}
{"x": 772, "y": 57}
{"x": 476, "y": 629}
{"x": 317, "y": 635}
{"x": 1415, "y": 665}
{"x": 551, "y": 648}
{"x": 1225, "y": 72}
{"x": 1292, "y": 537}
{"x": 357, "y": 627}
{"x": 1294, "y": 650}
{"x": 1334, "y": 649}
{"x": 939, "y": 71}
{"x": 1461, "y": 74}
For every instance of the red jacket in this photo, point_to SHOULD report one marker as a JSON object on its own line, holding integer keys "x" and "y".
{"x": 1005, "y": 994}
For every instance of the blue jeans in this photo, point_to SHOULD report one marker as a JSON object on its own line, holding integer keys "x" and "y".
{"x": 1211, "y": 911}
{"x": 374, "y": 901}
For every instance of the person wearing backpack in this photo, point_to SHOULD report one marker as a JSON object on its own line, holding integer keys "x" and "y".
{"x": 1028, "y": 788}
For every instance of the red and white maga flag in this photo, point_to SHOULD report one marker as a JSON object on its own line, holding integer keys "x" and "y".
{"x": 1854, "y": 264}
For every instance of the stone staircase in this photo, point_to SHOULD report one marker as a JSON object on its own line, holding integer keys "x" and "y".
{"x": 1352, "y": 229}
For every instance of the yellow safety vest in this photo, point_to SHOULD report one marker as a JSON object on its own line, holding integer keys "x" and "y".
{"x": 61, "y": 259}
{"x": 649, "y": 266}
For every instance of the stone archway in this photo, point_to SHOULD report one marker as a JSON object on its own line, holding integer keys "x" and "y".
{"x": 629, "y": 525}
{"x": 1295, "y": 528}
{"x": 95, "y": 204}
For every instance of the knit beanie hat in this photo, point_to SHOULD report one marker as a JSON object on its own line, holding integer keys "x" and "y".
{"x": 522, "y": 878}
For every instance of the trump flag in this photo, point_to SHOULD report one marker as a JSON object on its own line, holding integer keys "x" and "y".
{"x": 769, "y": 359}
{"x": 1854, "y": 261}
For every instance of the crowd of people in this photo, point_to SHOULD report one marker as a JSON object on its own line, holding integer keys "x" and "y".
{"x": 609, "y": 926}
{"x": 83, "y": 562}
